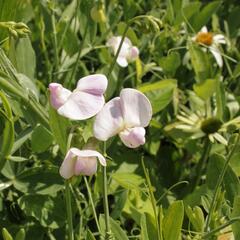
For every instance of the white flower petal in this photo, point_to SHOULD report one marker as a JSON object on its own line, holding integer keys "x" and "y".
{"x": 136, "y": 108}
{"x": 215, "y": 52}
{"x": 204, "y": 29}
{"x": 94, "y": 84}
{"x": 109, "y": 121}
{"x": 122, "y": 61}
{"x": 133, "y": 137}
{"x": 219, "y": 38}
{"x": 81, "y": 105}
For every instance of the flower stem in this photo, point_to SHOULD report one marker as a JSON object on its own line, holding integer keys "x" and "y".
{"x": 91, "y": 201}
{"x": 105, "y": 198}
{"x": 202, "y": 162}
{"x": 118, "y": 51}
{"x": 153, "y": 200}
{"x": 219, "y": 182}
{"x": 69, "y": 210}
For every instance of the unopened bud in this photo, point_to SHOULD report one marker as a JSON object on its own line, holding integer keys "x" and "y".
{"x": 97, "y": 14}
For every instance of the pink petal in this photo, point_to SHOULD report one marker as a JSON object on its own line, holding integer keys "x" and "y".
{"x": 67, "y": 167}
{"x": 133, "y": 137}
{"x": 80, "y": 162}
{"x": 134, "y": 53}
{"x": 58, "y": 95}
{"x": 109, "y": 120}
{"x": 94, "y": 84}
{"x": 136, "y": 108}
{"x": 81, "y": 105}
{"x": 85, "y": 166}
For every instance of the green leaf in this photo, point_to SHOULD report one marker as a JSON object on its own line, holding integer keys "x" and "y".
{"x": 59, "y": 127}
{"x": 90, "y": 236}
{"x": 236, "y": 213}
{"x": 7, "y": 139}
{"x": 170, "y": 63}
{"x": 235, "y": 163}
{"x": 159, "y": 93}
{"x": 205, "y": 15}
{"x": 130, "y": 33}
{"x": 196, "y": 217}
{"x": 20, "y": 234}
{"x": 6, "y": 235}
{"x": 200, "y": 63}
{"x": 23, "y": 56}
{"x": 49, "y": 211}
{"x": 117, "y": 231}
{"x": 41, "y": 139}
{"x": 128, "y": 180}
{"x": 44, "y": 180}
{"x": 173, "y": 221}
{"x": 205, "y": 89}
{"x": 144, "y": 232}
{"x": 220, "y": 99}
{"x": 148, "y": 227}
{"x": 230, "y": 181}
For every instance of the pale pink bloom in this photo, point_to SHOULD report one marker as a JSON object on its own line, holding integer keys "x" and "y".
{"x": 78, "y": 162}
{"x": 211, "y": 40}
{"x": 84, "y": 102}
{"x": 127, "y": 116}
{"x": 127, "y": 53}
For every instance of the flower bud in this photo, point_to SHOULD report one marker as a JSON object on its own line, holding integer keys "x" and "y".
{"x": 97, "y": 14}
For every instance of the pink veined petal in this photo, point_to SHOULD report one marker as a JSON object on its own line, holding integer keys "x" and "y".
{"x": 94, "y": 84}
{"x": 67, "y": 167}
{"x": 58, "y": 95}
{"x": 133, "y": 137}
{"x": 81, "y": 105}
{"x": 122, "y": 61}
{"x": 109, "y": 121}
{"x": 85, "y": 166}
{"x": 136, "y": 108}
{"x": 215, "y": 52}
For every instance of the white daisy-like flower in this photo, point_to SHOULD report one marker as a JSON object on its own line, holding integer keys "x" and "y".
{"x": 198, "y": 125}
{"x": 212, "y": 41}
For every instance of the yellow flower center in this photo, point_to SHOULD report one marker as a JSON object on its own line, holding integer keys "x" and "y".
{"x": 205, "y": 38}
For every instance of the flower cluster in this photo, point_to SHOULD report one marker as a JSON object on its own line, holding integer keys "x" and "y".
{"x": 126, "y": 115}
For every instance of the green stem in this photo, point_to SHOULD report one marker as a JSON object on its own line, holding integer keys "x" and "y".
{"x": 219, "y": 182}
{"x": 118, "y": 51}
{"x": 69, "y": 210}
{"x": 91, "y": 201}
{"x": 202, "y": 163}
{"x": 105, "y": 198}
{"x": 78, "y": 56}
{"x": 153, "y": 201}
{"x": 55, "y": 42}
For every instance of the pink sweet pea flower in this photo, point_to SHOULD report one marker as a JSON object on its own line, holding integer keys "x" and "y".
{"x": 127, "y": 53}
{"x": 79, "y": 162}
{"x": 84, "y": 102}
{"x": 127, "y": 116}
